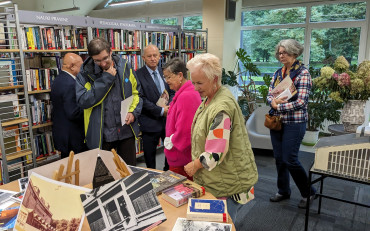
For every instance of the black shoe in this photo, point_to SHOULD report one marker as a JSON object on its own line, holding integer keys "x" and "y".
{"x": 303, "y": 203}
{"x": 277, "y": 197}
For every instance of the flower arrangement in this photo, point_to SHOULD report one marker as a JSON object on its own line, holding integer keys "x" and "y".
{"x": 343, "y": 83}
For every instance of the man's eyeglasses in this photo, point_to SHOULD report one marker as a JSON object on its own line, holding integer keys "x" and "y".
{"x": 105, "y": 59}
{"x": 284, "y": 53}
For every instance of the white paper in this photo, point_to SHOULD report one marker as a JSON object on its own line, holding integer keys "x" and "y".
{"x": 286, "y": 93}
{"x": 125, "y": 105}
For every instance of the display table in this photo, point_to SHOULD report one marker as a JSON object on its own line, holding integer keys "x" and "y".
{"x": 321, "y": 195}
{"x": 171, "y": 212}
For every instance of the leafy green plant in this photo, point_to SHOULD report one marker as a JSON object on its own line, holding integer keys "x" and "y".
{"x": 264, "y": 89}
{"x": 321, "y": 106}
{"x": 229, "y": 78}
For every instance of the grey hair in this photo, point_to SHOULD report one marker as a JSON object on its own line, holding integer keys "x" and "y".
{"x": 292, "y": 47}
{"x": 209, "y": 64}
{"x": 175, "y": 66}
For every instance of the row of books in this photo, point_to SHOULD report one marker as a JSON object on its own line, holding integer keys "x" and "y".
{"x": 163, "y": 40}
{"x": 134, "y": 60}
{"x": 187, "y": 56}
{"x": 191, "y": 41}
{"x": 120, "y": 39}
{"x": 44, "y": 145}
{"x": 40, "y": 108}
{"x": 51, "y": 38}
{"x": 40, "y": 78}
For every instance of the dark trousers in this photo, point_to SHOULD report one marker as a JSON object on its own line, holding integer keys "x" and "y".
{"x": 286, "y": 145}
{"x": 76, "y": 149}
{"x": 150, "y": 142}
{"x": 125, "y": 148}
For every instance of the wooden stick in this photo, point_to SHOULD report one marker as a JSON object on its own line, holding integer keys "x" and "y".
{"x": 77, "y": 170}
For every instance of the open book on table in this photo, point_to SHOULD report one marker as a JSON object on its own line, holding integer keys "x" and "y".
{"x": 285, "y": 88}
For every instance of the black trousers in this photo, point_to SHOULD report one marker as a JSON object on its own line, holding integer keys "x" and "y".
{"x": 150, "y": 142}
{"x": 125, "y": 148}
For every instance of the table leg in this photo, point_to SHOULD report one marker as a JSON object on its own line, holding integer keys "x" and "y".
{"x": 320, "y": 197}
{"x": 308, "y": 202}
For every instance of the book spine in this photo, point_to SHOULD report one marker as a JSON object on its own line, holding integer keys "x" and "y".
{"x": 220, "y": 217}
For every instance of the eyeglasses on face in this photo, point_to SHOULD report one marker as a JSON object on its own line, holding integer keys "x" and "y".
{"x": 105, "y": 59}
{"x": 284, "y": 53}
{"x": 169, "y": 76}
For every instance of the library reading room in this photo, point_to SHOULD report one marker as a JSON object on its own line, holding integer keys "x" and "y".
{"x": 185, "y": 115}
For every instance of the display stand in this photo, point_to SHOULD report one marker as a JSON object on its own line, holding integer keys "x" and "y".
{"x": 321, "y": 195}
{"x": 58, "y": 174}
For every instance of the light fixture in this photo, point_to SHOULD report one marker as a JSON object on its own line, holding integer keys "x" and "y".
{"x": 5, "y": 2}
{"x": 65, "y": 9}
{"x": 127, "y": 2}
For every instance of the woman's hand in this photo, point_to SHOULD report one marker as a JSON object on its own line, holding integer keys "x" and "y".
{"x": 275, "y": 102}
{"x": 192, "y": 167}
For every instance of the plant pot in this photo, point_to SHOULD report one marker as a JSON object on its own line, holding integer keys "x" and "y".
{"x": 310, "y": 138}
{"x": 353, "y": 115}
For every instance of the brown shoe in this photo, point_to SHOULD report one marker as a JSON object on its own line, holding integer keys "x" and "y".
{"x": 277, "y": 197}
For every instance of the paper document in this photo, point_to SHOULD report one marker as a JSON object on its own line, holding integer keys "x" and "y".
{"x": 125, "y": 105}
{"x": 285, "y": 88}
{"x": 163, "y": 100}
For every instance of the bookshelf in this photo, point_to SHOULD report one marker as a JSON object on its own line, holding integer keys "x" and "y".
{"x": 15, "y": 141}
{"x": 31, "y": 38}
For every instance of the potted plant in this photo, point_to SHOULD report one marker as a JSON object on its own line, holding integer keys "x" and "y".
{"x": 348, "y": 85}
{"x": 229, "y": 80}
{"x": 320, "y": 108}
{"x": 264, "y": 89}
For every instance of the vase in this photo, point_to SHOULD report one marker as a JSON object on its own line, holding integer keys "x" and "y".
{"x": 353, "y": 115}
{"x": 310, "y": 138}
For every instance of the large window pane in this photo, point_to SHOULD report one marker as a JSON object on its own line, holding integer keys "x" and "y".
{"x": 328, "y": 44}
{"x": 338, "y": 12}
{"x": 193, "y": 22}
{"x": 274, "y": 17}
{"x": 260, "y": 45}
{"x": 165, "y": 21}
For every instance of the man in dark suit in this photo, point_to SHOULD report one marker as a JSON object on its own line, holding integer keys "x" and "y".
{"x": 153, "y": 117}
{"x": 67, "y": 117}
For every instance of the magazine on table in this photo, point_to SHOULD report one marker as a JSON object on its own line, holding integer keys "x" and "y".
{"x": 285, "y": 88}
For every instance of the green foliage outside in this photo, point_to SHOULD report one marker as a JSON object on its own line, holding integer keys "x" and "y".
{"x": 165, "y": 21}
{"x": 193, "y": 22}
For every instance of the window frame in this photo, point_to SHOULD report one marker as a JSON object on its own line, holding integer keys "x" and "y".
{"x": 364, "y": 43}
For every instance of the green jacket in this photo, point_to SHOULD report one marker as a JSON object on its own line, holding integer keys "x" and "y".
{"x": 92, "y": 87}
{"x": 237, "y": 172}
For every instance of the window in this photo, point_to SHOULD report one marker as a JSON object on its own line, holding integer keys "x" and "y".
{"x": 193, "y": 22}
{"x": 326, "y": 30}
{"x": 165, "y": 21}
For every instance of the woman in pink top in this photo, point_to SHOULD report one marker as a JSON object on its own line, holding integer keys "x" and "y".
{"x": 180, "y": 116}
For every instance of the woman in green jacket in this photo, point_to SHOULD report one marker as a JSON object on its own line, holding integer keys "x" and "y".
{"x": 223, "y": 161}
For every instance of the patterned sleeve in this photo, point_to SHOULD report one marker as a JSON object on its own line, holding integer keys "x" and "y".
{"x": 217, "y": 142}
{"x": 303, "y": 86}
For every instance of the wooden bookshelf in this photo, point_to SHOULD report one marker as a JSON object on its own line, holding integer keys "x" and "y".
{"x": 18, "y": 154}
{"x": 13, "y": 122}
{"x": 56, "y": 50}
{"x": 11, "y": 87}
{"x": 38, "y": 126}
{"x": 8, "y": 50}
{"x": 36, "y": 92}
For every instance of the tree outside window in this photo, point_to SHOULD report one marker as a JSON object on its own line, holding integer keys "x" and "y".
{"x": 193, "y": 22}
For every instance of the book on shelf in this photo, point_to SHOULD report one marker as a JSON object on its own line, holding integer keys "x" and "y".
{"x": 9, "y": 105}
{"x": 120, "y": 39}
{"x": 163, "y": 40}
{"x": 40, "y": 78}
{"x": 12, "y": 142}
{"x": 285, "y": 88}
{"x": 165, "y": 180}
{"x": 40, "y": 108}
{"x": 179, "y": 194}
{"x": 207, "y": 210}
{"x": 44, "y": 145}
{"x": 182, "y": 224}
{"x": 8, "y": 73}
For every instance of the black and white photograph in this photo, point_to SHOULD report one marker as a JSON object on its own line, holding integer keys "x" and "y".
{"x": 126, "y": 204}
{"x": 5, "y": 195}
{"x": 187, "y": 225}
{"x": 151, "y": 173}
{"x": 23, "y": 182}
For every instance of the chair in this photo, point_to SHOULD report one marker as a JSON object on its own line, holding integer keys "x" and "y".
{"x": 259, "y": 135}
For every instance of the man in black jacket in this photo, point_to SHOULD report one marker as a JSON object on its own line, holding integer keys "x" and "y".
{"x": 153, "y": 117}
{"x": 67, "y": 116}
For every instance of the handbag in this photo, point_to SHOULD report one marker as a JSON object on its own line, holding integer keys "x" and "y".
{"x": 273, "y": 122}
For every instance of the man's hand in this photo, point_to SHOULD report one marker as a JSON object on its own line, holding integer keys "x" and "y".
{"x": 165, "y": 111}
{"x": 129, "y": 118}
{"x": 111, "y": 70}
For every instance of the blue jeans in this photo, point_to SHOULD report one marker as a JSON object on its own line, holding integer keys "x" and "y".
{"x": 286, "y": 143}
